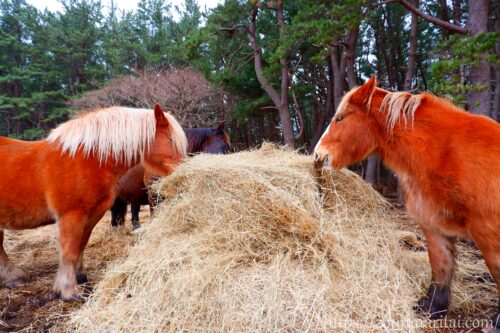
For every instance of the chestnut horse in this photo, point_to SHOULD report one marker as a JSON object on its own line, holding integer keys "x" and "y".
{"x": 70, "y": 179}
{"x": 131, "y": 187}
{"x": 448, "y": 162}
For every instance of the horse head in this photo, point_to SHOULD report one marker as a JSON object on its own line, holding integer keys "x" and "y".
{"x": 217, "y": 142}
{"x": 169, "y": 147}
{"x": 354, "y": 132}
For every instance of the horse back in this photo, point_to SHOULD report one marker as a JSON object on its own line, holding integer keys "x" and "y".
{"x": 40, "y": 183}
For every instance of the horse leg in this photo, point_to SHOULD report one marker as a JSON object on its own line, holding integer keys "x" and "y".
{"x": 99, "y": 210}
{"x": 153, "y": 198}
{"x": 442, "y": 258}
{"x": 81, "y": 278}
{"x": 153, "y": 202}
{"x": 135, "y": 215}
{"x": 118, "y": 212}
{"x": 489, "y": 243}
{"x": 71, "y": 229}
{"x": 10, "y": 275}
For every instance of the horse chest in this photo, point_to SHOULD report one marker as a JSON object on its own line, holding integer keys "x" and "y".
{"x": 432, "y": 213}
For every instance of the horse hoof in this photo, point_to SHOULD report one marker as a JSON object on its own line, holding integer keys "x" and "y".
{"x": 14, "y": 283}
{"x": 78, "y": 297}
{"x": 432, "y": 310}
{"x": 136, "y": 225}
{"x": 81, "y": 278}
{"x": 15, "y": 277}
{"x": 495, "y": 321}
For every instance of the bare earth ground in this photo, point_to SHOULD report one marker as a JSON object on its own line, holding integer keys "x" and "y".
{"x": 32, "y": 308}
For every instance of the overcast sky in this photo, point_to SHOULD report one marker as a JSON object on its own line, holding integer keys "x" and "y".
{"x": 54, "y": 5}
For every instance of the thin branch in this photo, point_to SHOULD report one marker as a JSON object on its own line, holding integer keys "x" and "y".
{"x": 299, "y": 114}
{"x": 234, "y": 27}
{"x": 443, "y": 24}
{"x": 249, "y": 59}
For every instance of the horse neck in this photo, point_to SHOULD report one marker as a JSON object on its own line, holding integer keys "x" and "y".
{"x": 195, "y": 137}
{"x": 401, "y": 148}
{"x": 110, "y": 166}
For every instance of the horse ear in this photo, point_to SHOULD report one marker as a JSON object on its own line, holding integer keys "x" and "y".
{"x": 364, "y": 93}
{"x": 221, "y": 127}
{"x": 160, "y": 116}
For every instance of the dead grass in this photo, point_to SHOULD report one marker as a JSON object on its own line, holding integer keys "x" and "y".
{"x": 255, "y": 242}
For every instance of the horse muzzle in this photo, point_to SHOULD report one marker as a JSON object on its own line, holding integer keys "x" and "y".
{"x": 321, "y": 159}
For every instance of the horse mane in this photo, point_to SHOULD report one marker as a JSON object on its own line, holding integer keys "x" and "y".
{"x": 397, "y": 106}
{"x": 400, "y": 106}
{"x": 124, "y": 133}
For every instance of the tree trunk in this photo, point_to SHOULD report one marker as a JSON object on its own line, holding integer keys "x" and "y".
{"x": 443, "y": 12}
{"x": 249, "y": 135}
{"x": 286, "y": 122}
{"x": 412, "y": 52}
{"x": 495, "y": 114}
{"x": 338, "y": 66}
{"x": 350, "y": 55}
{"x": 371, "y": 169}
{"x": 280, "y": 101}
{"x": 323, "y": 108}
{"x": 457, "y": 12}
{"x": 479, "y": 100}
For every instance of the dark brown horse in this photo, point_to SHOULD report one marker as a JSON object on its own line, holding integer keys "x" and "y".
{"x": 131, "y": 187}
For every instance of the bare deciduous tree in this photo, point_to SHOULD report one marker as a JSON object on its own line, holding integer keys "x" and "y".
{"x": 184, "y": 91}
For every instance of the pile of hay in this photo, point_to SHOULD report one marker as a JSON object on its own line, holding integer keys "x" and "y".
{"x": 255, "y": 241}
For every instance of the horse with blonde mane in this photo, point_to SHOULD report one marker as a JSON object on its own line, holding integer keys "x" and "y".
{"x": 70, "y": 179}
{"x": 448, "y": 162}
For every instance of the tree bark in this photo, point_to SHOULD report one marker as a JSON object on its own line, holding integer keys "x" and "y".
{"x": 350, "y": 55}
{"x": 286, "y": 121}
{"x": 412, "y": 52}
{"x": 443, "y": 11}
{"x": 338, "y": 66}
{"x": 479, "y": 100}
{"x": 457, "y": 12}
{"x": 371, "y": 169}
{"x": 496, "y": 99}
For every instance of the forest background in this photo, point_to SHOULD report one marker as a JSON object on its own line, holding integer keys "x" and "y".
{"x": 273, "y": 70}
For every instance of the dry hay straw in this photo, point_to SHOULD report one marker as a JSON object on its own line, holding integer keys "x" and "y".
{"x": 252, "y": 242}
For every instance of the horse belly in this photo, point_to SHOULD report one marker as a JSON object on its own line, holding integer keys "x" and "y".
{"x": 20, "y": 217}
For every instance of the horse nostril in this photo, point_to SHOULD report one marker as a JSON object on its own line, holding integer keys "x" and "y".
{"x": 326, "y": 162}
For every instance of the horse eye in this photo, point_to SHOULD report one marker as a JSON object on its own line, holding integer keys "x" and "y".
{"x": 338, "y": 119}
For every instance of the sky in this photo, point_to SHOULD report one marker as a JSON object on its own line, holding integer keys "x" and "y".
{"x": 54, "y": 5}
